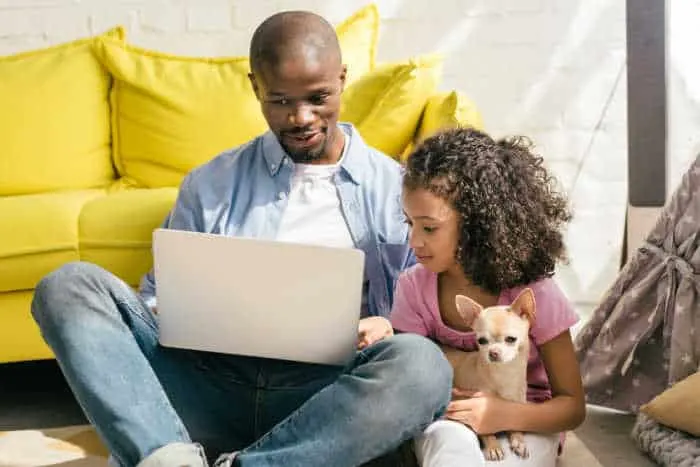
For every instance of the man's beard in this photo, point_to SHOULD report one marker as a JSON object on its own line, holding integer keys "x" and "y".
{"x": 307, "y": 156}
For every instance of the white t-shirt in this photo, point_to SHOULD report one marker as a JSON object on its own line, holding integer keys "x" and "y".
{"x": 313, "y": 214}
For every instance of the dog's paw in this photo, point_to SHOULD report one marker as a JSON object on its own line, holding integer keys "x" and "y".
{"x": 517, "y": 444}
{"x": 493, "y": 451}
{"x": 494, "y": 454}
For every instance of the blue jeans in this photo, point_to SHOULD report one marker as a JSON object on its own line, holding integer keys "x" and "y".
{"x": 160, "y": 406}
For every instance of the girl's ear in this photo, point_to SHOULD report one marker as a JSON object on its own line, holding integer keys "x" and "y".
{"x": 468, "y": 309}
{"x": 524, "y": 305}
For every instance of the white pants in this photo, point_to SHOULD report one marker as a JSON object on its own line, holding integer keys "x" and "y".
{"x": 451, "y": 444}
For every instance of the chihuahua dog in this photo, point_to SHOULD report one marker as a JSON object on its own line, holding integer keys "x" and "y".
{"x": 500, "y": 364}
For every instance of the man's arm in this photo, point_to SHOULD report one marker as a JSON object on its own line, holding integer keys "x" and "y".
{"x": 185, "y": 215}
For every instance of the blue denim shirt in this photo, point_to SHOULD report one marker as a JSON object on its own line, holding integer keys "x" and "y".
{"x": 244, "y": 191}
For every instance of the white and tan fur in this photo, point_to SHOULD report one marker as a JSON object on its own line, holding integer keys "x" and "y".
{"x": 500, "y": 364}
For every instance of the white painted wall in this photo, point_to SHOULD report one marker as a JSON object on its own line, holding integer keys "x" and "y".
{"x": 684, "y": 86}
{"x": 550, "y": 69}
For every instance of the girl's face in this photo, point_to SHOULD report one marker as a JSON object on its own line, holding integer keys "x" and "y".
{"x": 434, "y": 229}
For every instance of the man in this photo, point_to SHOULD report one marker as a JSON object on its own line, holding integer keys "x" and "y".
{"x": 308, "y": 179}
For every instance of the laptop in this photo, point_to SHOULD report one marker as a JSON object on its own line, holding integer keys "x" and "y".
{"x": 256, "y": 297}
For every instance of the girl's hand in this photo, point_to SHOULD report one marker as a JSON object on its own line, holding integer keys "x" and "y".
{"x": 373, "y": 329}
{"x": 486, "y": 414}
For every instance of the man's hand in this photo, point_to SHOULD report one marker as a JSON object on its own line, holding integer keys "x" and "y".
{"x": 485, "y": 413}
{"x": 373, "y": 329}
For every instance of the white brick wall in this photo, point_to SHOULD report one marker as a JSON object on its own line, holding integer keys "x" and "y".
{"x": 550, "y": 69}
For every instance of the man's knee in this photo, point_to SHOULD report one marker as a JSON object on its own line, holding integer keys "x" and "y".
{"x": 62, "y": 284}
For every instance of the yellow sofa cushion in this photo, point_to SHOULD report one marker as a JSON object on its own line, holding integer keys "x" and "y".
{"x": 20, "y": 339}
{"x": 116, "y": 230}
{"x": 358, "y": 36}
{"x": 172, "y": 113}
{"x": 386, "y": 104}
{"x": 54, "y": 119}
{"x": 39, "y": 234}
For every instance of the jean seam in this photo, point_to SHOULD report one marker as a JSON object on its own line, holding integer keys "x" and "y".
{"x": 202, "y": 362}
{"x": 290, "y": 419}
{"x": 134, "y": 311}
{"x": 361, "y": 355}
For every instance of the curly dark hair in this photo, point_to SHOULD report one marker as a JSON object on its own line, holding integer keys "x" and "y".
{"x": 510, "y": 210}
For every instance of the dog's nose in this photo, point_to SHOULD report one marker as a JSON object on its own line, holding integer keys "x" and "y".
{"x": 494, "y": 355}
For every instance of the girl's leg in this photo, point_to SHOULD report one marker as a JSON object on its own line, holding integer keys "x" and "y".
{"x": 446, "y": 443}
{"x": 450, "y": 444}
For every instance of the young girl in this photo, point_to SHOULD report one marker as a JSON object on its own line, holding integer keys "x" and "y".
{"x": 485, "y": 222}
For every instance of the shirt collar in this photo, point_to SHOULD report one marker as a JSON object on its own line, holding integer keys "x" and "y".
{"x": 354, "y": 163}
{"x": 273, "y": 152}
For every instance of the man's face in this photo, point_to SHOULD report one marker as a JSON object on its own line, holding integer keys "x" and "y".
{"x": 300, "y": 99}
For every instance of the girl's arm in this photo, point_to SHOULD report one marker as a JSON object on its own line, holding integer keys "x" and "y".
{"x": 567, "y": 408}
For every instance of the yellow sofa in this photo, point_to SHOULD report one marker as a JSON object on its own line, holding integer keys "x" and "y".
{"x": 96, "y": 134}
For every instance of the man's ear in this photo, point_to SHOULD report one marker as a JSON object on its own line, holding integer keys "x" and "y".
{"x": 254, "y": 83}
{"x": 468, "y": 309}
{"x": 524, "y": 305}
{"x": 343, "y": 77}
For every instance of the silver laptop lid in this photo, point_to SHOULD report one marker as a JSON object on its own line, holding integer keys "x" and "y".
{"x": 257, "y": 297}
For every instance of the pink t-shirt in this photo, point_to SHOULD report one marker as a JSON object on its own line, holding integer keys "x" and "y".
{"x": 416, "y": 310}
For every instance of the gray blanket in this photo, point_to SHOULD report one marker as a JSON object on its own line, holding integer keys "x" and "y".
{"x": 668, "y": 447}
{"x": 645, "y": 334}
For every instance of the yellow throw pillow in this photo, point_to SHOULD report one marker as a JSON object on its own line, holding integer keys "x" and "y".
{"x": 358, "y": 41}
{"x": 171, "y": 114}
{"x": 448, "y": 110}
{"x": 679, "y": 406}
{"x": 445, "y": 110}
{"x": 386, "y": 104}
{"x": 54, "y": 119}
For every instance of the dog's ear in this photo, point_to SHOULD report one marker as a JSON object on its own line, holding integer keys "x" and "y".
{"x": 524, "y": 305}
{"x": 468, "y": 309}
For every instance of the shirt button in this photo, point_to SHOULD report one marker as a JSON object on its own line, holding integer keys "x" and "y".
{"x": 273, "y": 167}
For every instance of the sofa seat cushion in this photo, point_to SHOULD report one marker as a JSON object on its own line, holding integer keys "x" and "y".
{"x": 20, "y": 339}
{"x": 116, "y": 230}
{"x": 40, "y": 233}
{"x": 54, "y": 119}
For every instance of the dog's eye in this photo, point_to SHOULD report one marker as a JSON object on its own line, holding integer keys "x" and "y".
{"x": 511, "y": 340}
{"x": 483, "y": 341}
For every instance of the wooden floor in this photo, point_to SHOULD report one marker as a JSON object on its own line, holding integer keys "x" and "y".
{"x": 35, "y": 402}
